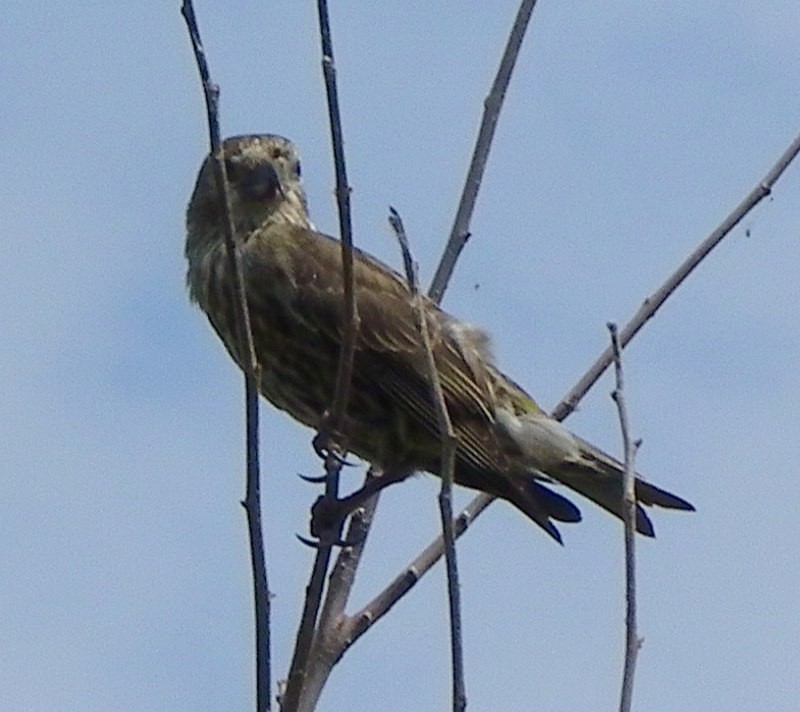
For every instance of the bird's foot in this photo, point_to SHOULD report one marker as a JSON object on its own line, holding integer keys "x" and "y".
{"x": 328, "y": 516}
{"x": 325, "y": 445}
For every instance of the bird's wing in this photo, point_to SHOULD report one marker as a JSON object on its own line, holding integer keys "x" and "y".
{"x": 389, "y": 340}
{"x": 388, "y": 319}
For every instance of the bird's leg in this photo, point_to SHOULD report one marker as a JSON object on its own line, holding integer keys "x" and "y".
{"x": 328, "y": 514}
{"x": 326, "y": 442}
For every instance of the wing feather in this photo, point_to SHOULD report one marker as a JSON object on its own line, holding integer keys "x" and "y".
{"x": 389, "y": 343}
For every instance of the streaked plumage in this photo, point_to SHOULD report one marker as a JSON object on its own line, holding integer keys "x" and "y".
{"x": 507, "y": 446}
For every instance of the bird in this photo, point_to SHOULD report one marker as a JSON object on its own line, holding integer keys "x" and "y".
{"x": 506, "y": 445}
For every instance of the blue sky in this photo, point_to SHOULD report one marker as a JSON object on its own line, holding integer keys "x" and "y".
{"x": 629, "y": 132}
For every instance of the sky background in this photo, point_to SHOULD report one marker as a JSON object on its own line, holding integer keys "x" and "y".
{"x": 630, "y": 130}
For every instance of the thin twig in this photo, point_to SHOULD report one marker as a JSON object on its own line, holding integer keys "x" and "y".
{"x": 360, "y": 622}
{"x": 344, "y": 568}
{"x": 448, "y": 469}
{"x": 332, "y": 629}
{"x": 401, "y": 584}
{"x": 252, "y": 502}
{"x": 299, "y": 675}
{"x": 632, "y": 640}
{"x": 653, "y": 303}
{"x": 293, "y": 697}
{"x": 459, "y": 234}
{"x": 296, "y": 679}
{"x": 343, "y": 376}
{"x": 353, "y": 627}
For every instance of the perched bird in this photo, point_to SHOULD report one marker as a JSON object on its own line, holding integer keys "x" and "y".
{"x": 506, "y": 445}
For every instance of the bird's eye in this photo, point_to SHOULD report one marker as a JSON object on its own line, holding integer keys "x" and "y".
{"x": 297, "y": 170}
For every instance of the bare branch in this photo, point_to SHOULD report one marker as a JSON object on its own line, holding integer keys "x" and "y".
{"x": 360, "y": 622}
{"x": 448, "y": 470}
{"x": 252, "y": 502}
{"x": 298, "y": 673}
{"x": 298, "y": 682}
{"x": 344, "y": 569}
{"x": 331, "y": 626}
{"x": 653, "y": 303}
{"x": 350, "y": 321}
{"x": 459, "y": 234}
{"x": 399, "y": 586}
{"x": 632, "y": 640}
{"x": 294, "y": 694}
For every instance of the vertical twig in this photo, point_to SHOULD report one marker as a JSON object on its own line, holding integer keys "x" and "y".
{"x": 252, "y": 502}
{"x": 351, "y": 628}
{"x": 332, "y": 635}
{"x": 350, "y": 321}
{"x": 307, "y": 629}
{"x": 361, "y": 621}
{"x": 632, "y": 640}
{"x": 342, "y": 631}
{"x": 459, "y": 234}
{"x": 448, "y": 469}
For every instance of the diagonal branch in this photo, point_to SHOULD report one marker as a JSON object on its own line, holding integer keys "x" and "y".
{"x": 361, "y": 621}
{"x": 459, "y": 234}
{"x": 252, "y": 502}
{"x": 653, "y": 303}
{"x": 407, "y": 579}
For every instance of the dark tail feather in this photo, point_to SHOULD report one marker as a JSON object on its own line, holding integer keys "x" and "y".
{"x": 655, "y": 496}
{"x": 523, "y": 491}
{"x": 604, "y": 493}
{"x": 541, "y": 505}
{"x": 599, "y": 477}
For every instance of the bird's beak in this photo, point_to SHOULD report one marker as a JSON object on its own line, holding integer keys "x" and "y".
{"x": 261, "y": 184}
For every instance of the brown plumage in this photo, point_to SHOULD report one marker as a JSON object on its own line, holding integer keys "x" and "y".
{"x": 507, "y": 446}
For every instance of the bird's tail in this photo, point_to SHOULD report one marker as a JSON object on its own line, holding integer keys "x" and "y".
{"x": 599, "y": 477}
{"x": 546, "y": 448}
{"x": 542, "y": 505}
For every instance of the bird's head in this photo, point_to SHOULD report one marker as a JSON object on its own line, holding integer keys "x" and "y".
{"x": 263, "y": 174}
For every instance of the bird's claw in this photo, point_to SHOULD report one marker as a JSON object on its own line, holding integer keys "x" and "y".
{"x": 313, "y": 480}
{"x": 324, "y": 445}
{"x": 310, "y": 543}
{"x": 320, "y": 444}
{"x": 318, "y": 543}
